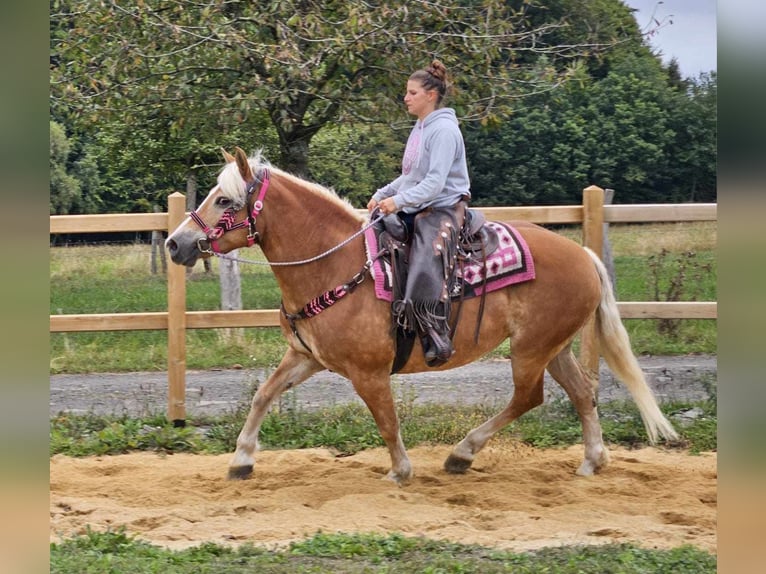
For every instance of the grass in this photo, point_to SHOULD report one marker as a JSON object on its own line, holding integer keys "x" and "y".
{"x": 117, "y": 279}
{"x": 115, "y": 552}
{"x": 350, "y": 428}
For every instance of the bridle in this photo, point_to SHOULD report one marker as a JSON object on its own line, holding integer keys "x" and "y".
{"x": 227, "y": 221}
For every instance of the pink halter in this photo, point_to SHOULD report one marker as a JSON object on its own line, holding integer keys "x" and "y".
{"x": 227, "y": 223}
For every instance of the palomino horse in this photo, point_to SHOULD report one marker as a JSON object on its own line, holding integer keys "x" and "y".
{"x": 303, "y": 228}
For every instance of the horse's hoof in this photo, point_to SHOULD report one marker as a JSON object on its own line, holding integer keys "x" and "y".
{"x": 240, "y": 472}
{"x": 398, "y": 479}
{"x": 457, "y": 465}
{"x": 589, "y": 467}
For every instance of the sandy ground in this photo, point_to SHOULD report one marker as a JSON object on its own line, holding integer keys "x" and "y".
{"x": 515, "y": 497}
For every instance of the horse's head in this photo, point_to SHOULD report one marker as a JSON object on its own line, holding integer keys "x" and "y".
{"x": 226, "y": 219}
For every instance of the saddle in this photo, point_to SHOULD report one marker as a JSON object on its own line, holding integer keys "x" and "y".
{"x": 476, "y": 241}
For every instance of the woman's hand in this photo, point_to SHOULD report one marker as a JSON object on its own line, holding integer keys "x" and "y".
{"x": 387, "y": 206}
{"x": 372, "y": 204}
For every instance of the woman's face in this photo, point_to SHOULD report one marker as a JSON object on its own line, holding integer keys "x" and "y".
{"x": 419, "y": 101}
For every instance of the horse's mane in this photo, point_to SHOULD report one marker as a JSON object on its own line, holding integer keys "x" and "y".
{"x": 233, "y": 186}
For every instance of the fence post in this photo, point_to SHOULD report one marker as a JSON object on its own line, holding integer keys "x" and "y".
{"x": 176, "y": 322}
{"x": 592, "y": 237}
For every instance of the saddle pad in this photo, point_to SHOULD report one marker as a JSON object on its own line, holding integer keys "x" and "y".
{"x": 510, "y": 263}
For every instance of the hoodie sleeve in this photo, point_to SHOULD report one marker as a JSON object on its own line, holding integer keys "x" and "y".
{"x": 444, "y": 144}
{"x": 388, "y": 190}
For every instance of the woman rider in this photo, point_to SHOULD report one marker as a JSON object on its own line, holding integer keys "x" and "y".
{"x": 430, "y": 196}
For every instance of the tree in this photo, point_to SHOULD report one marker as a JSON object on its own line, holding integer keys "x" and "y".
{"x": 694, "y": 152}
{"x": 593, "y": 23}
{"x": 150, "y": 91}
{"x": 64, "y": 187}
{"x": 629, "y": 130}
{"x": 536, "y": 157}
{"x": 355, "y": 161}
{"x": 637, "y": 130}
{"x": 307, "y": 64}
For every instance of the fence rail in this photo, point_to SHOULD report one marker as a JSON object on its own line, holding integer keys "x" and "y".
{"x": 592, "y": 214}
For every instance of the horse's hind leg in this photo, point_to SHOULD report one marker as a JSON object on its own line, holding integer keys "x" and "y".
{"x": 565, "y": 369}
{"x": 292, "y": 370}
{"x": 527, "y": 394}
{"x": 375, "y": 391}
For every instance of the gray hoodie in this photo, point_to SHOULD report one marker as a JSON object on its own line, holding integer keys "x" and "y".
{"x": 434, "y": 169}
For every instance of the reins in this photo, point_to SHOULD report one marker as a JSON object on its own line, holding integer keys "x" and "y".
{"x": 329, "y": 297}
{"x": 226, "y": 223}
{"x": 322, "y": 255}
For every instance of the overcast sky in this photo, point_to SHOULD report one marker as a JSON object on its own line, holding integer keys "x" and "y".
{"x": 691, "y": 38}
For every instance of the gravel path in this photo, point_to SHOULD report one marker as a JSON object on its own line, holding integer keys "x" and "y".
{"x": 690, "y": 377}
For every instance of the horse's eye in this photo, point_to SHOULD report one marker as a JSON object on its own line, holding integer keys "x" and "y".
{"x": 223, "y": 202}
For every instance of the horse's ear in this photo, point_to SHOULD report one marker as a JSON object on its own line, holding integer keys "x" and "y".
{"x": 227, "y": 156}
{"x": 243, "y": 164}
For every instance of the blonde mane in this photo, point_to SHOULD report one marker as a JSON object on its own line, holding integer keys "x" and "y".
{"x": 233, "y": 186}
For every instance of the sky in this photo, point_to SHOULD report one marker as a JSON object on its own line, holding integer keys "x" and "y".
{"x": 690, "y": 38}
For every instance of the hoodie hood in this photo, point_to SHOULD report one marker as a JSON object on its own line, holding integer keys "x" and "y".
{"x": 440, "y": 114}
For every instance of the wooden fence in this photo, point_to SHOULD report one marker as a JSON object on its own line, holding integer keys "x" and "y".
{"x": 592, "y": 214}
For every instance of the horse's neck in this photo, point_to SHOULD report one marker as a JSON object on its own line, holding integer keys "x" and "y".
{"x": 302, "y": 228}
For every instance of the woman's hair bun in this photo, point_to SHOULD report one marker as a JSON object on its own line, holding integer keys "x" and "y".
{"x": 438, "y": 71}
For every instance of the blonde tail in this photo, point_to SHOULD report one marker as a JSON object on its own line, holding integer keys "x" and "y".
{"x": 616, "y": 350}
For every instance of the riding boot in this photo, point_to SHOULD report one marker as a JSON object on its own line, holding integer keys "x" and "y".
{"x": 439, "y": 347}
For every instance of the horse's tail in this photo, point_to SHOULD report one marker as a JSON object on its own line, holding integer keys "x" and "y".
{"x": 615, "y": 348}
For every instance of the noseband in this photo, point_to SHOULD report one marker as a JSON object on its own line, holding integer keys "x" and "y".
{"x": 227, "y": 223}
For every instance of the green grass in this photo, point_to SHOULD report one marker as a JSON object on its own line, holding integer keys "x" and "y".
{"x": 637, "y": 281}
{"x": 350, "y": 428}
{"x": 115, "y": 552}
{"x": 132, "y": 351}
{"x": 117, "y": 279}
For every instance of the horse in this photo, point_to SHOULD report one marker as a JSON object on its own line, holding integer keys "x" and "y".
{"x": 310, "y": 237}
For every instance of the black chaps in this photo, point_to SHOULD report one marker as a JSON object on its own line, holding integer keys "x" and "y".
{"x": 432, "y": 265}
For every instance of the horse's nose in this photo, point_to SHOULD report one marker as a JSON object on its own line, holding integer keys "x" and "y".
{"x": 171, "y": 246}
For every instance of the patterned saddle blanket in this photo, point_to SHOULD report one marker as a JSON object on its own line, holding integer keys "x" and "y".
{"x": 510, "y": 263}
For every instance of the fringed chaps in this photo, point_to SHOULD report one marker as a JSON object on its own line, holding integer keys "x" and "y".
{"x": 425, "y": 307}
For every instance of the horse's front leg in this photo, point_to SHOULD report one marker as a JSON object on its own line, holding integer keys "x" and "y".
{"x": 375, "y": 391}
{"x": 292, "y": 370}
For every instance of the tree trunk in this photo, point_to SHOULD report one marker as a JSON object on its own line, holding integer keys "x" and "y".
{"x": 191, "y": 190}
{"x": 295, "y": 157}
{"x": 294, "y": 147}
